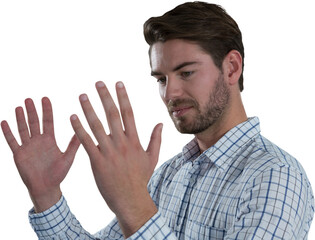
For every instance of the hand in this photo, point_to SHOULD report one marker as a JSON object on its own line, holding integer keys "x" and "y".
{"x": 120, "y": 166}
{"x": 41, "y": 164}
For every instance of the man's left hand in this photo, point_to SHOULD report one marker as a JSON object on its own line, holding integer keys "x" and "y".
{"x": 121, "y": 167}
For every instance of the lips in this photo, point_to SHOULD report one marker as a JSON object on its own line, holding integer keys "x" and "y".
{"x": 180, "y": 111}
{"x": 178, "y": 107}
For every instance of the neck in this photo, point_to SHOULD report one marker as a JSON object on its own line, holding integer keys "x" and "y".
{"x": 233, "y": 116}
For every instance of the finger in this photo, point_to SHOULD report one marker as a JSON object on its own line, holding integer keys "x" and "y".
{"x": 126, "y": 110}
{"x": 155, "y": 144}
{"x": 72, "y": 149}
{"x": 13, "y": 144}
{"x": 112, "y": 113}
{"x": 32, "y": 117}
{"x": 83, "y": 136}
{"x": 92, "y": 119}
{"x": 22, "y": 126}
{"x": 48, "y": 120}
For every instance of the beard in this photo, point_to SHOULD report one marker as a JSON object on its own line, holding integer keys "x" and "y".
{"x": 206, "y": 117}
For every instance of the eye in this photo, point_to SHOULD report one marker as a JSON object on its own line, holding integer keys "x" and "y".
{"x": 186, "y": 74}
{"x": 161, "y": 80}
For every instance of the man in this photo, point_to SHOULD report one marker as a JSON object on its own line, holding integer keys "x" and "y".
{"x": 228, "y": 183}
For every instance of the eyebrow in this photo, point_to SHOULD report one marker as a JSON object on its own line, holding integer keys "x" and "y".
{"x": 184, "y": 64}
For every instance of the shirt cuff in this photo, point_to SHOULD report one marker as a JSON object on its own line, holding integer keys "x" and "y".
{"x": 155, "y": 228}
{"x": 51, "y": 221}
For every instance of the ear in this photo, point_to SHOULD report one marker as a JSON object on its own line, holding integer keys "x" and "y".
{"x": 232, "y": 67}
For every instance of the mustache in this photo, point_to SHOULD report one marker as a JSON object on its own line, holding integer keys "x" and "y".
{"x": 181, "y": 102}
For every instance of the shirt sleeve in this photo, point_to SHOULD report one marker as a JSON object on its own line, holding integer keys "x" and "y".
{"x": 276, "y": 205}
{"x": 59, "y": 223}
{"x": 154, "y": 229}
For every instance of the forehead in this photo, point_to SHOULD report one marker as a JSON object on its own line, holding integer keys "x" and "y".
{"x": 164, "y": 55}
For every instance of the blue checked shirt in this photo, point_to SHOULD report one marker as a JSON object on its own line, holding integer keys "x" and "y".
{"x": 243, "y": 187}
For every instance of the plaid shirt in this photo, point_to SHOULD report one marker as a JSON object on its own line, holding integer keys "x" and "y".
{"x": 243, "y": 187}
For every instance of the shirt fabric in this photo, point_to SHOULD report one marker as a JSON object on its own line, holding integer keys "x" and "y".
{"x": 243, "y": 187}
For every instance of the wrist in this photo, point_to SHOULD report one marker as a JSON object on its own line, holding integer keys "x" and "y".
{"x": 46, "y": 200}
{"x": 133, "y": 217}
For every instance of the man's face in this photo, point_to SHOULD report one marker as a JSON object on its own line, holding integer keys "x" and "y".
{"x": 191, "y": 86}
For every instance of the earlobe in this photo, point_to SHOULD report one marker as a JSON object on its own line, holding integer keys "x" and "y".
{"x": 233, "y": 66}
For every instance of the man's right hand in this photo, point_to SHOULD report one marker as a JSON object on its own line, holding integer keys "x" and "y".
{"x": 41, "y": 164}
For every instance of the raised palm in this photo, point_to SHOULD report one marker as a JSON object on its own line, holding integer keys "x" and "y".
{"x": 40, "y": 162}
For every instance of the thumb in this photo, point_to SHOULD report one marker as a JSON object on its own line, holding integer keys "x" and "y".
{"x": 153, "y": 149}
{"x": 72, "y": 149}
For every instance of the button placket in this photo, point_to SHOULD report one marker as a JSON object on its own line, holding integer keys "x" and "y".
{"x": 188, "y": 184}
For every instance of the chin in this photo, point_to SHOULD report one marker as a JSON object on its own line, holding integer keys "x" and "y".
{"x": 189, "y": 129}
{"x": 193, "y": 127}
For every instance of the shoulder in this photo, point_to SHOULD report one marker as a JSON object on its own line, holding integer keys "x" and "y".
{"x": 265, "y": 156}
{"x": 273, "y": 183}
{"x": 269, "y": 170}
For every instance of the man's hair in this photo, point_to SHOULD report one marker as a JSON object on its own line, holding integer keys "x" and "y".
{"x": 206, "y": 24}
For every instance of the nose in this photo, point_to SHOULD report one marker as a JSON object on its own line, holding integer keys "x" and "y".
{"x": 172, "y": 89}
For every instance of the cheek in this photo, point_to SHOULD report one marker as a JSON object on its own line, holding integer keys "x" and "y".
{"x": 201, "y": 90}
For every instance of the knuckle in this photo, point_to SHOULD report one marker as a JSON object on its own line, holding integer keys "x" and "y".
{"x": 113, "y": 113}
{"x": 95, "y": 125}
{"x": 111, "y": 154}
{"x": 137, "y": 146}
{"x": 84, "y": 138}
{"x": 120, "y": 146}
{"x": 128, "y": 113}
{"x": 123, "y": 149}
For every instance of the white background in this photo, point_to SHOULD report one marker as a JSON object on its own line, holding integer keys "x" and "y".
{"x": 60, "y": 49}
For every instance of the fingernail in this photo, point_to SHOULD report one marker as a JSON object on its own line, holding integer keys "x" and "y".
{"x": 73, "y": 117}
{"x": 100, "y": 84}
{"x": 161, "y": 127}
{"x": 83, "y": 97}
{"x": 120, "y": 85}
{"x": 29, "y": 100}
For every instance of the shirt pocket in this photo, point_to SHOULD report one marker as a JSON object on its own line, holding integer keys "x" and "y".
{"x": 197, "y": 231}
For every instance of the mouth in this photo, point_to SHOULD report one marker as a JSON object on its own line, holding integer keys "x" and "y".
{"x": 180, "y": 111}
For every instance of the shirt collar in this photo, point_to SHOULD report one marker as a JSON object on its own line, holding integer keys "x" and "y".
{"x": 223, "y": 151}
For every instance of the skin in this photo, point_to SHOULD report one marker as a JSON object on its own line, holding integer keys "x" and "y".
{"x": 121, "y": 167}
{"x": 42, "y": 166}
{"x": 188, "y": 75}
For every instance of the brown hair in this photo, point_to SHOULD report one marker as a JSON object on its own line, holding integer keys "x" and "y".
{"x": 206, "y": 24}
